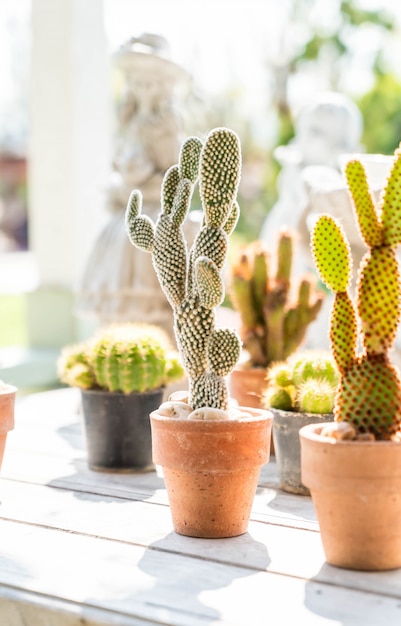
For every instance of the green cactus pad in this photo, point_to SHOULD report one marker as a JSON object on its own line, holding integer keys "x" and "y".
{"x": 189, "y": 159}
{"x": 369, "y": 396}
{"x": 331, "y": 253}
{"x": 363, "y": 203}
{"x": 181, "y": 202}
{"x": 213, "y": 244}
{"x": 378, "y": 300}
{"x": 169, "y": 188}
{"x": 134, "y": 206}
{"x": 209, "y": 390}
{"x": 391, "y": 204}
{"x": 141, "y": 232}
{"x": 219, "y": 175}
{"x": 343, "y": 331}
{"x": 223, "y": 351}
{"x": 209, "y": 283}
{"x": 170, "y": 259}
{"x": 232, "y": 219}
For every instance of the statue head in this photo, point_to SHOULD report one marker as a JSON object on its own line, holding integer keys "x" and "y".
{"x": 331, "y": 125}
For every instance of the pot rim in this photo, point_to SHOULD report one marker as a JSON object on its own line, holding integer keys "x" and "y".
{"x": 316, "y": 416}
{"x": 312, "y": 432}
{"x": 8, "y": 388}
{"x": 258, "y": 415}
{"x": 121, "y": 393}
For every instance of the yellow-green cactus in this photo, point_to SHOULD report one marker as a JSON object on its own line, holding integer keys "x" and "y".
{"x": 192, "y": 279}
{"x": 369, "y": 394}
{"x": 122, "y": 357}
{"x": 304, "y": 382}
{"x": 274, "y": 321}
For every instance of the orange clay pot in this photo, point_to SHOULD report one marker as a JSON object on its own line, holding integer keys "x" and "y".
{"x": 356, "y": 492}
{"x": 246, "y": 385}
{"x": 211, "y": 470}
{"x": 7, "y": 404}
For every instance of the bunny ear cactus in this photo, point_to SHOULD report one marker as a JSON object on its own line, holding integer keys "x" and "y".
{"x": 369, "y": 394}
{"x": 192, "y": 279}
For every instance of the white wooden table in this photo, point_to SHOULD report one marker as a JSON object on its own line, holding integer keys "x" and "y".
{"x": 81, "y": 547}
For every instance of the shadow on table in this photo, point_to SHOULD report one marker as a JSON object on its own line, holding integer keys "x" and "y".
{"x": 86, "y": 483}
{"x": 195, "y": 568}
{"x": 336, "y": 594}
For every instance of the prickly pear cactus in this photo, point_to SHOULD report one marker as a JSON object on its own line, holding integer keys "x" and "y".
{"x": 369, "y": 394}
{"x": 192, "y": 279}
{"x": 273, "y": 321}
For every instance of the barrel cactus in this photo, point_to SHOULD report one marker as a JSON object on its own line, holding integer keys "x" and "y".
{"x": 305, "y": 382}
{"x": 363, "y": 332}
{"x": 192, "y": 279}
{"x": 123, "y": 357}
{"x": 274, "y": 319}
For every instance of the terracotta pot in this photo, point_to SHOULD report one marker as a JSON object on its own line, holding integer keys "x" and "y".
{"x": 7, "y": 406}
{"x": 356, "y": 491}
{"x": 246, "y": 385}
{"x": 286, "y": 427}
{"x": 211, "y": 470}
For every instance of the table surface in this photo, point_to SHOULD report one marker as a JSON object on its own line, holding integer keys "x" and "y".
{"x": 84, "y": 547}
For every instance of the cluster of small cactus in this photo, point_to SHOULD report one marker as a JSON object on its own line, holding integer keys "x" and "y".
{"x": 363, "y": 332}
{"x": 273, "y": 322}
{"x": 305, "y": 382}
{"x": 192, "y": 279}
{"x": 125, "y": 357}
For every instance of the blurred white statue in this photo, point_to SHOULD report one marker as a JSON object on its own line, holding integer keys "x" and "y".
{"x": 325, "y": 129}
{"x": 119, "y": 282}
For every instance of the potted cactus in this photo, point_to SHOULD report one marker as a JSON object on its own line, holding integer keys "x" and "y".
{"x": 211, "y": 452}
{"x": 7, "y": 409}
{"x": 353, "y": 466}
{"x": 121, "y": 372}
{"x": 299, "y": 390}
{"x": 274, "y": 314}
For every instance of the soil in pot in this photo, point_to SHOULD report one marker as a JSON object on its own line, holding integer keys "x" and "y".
{"x": 117, "y": 429}
{"x": 286, "y": 427}
{"x": 356, "y": 491}
{"x": 211, "y": 470}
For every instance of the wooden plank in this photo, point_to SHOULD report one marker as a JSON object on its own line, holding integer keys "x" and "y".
{"x": 266, "y": 547}
{"x": 174, "y": 589}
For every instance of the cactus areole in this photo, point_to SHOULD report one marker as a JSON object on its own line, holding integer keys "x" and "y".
{"x": 192, "y": 279}
{"x": 369, "y": 394}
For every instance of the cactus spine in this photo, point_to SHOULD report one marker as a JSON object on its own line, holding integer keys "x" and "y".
{"x": 272, "y": 325}
{"x": 369, "y": 394}
{"x": 192, "y": 280}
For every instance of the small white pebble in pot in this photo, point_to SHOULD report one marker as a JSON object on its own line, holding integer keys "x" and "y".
{"x": 179, "y": 410}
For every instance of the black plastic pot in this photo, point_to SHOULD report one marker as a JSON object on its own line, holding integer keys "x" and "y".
{"x": 117, "y": 429}
{"x": 287, "y": 446}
